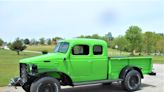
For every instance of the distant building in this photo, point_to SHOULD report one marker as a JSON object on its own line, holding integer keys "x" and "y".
{"x": 4, "y": 46}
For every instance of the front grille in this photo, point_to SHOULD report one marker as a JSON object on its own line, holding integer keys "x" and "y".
{"x": 23, "y": 72}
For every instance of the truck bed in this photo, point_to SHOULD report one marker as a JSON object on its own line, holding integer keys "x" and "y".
{"x": 116, "y": 64}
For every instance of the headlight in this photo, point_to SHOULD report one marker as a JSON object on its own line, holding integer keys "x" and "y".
{"x": 33, "y": 68}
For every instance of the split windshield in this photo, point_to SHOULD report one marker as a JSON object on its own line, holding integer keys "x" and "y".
{"x": 61, "y": 47}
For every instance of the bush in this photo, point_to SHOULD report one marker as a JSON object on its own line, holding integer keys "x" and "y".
{"x": 44, "y": 52}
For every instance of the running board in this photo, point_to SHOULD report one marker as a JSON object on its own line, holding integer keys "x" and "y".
{"x": 96, "y": 82}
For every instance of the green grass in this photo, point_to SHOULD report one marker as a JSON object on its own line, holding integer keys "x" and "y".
{"x": 158, "y": 59}
{"x": 114, "y": 52}
{"x": 9, "y": 65}
{"x": 49, "y": 48}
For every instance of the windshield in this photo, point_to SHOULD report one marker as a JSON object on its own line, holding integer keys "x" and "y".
{"x": 61, "y": 47}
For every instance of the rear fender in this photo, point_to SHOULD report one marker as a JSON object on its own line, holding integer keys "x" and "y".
{"x": 126, "y": 69}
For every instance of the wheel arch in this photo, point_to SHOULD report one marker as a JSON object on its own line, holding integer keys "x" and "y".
{"x": 65, "y": 78}
{"x": 126, "y": 69}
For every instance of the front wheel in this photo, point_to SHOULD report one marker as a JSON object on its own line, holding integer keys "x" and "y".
{"x": 132, "y": 81}
{"x": 26, "y": 87}
{"x": 45, "y": 84}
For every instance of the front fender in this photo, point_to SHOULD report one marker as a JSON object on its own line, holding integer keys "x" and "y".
{"x": 51, "y": 73}
{"x": 55, "y": 74}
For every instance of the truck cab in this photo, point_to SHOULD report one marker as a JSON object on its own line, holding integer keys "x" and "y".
{"x": 80, "y": 61}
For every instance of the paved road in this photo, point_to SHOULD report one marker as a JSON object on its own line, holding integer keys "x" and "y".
{"x": 149, "y": 84}
{"x": 32, "y": 51}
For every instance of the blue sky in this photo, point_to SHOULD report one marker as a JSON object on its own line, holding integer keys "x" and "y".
{"x": 71, "y": 18}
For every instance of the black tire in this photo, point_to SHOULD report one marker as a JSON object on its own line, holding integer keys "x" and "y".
{"x": 26, "y": 87}
{"x": 132, "y": 81}
{"x": 45, "y": 84}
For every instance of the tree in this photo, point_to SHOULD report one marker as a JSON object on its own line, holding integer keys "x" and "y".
{"x": 54, "y": 40}
{"x": 160, "y": 45}
{"x": 1, "y": 42}
{"x": 34, "y": 42}
{"x": 140, "y": 46}
{"x": 121, "y": 42}
{"x": 42, "y": 41}
{"x": 149, "y": 42}
{"x": 107, "y": 40}
{"x": 96, "y": 36}
{"x": 81, "y": 36}
{"x": 57, "y": 38}
{"x": 26, "y": 41}
{"x": 49, "y": 41}
{"x": 135, "y": 38}
{"x": 17, "y": 46}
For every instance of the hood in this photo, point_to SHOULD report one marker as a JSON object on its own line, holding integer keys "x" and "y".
{"x": 45, "y": 57}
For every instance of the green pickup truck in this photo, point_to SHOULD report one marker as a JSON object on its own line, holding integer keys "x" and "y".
{"x": 80, "y": 61}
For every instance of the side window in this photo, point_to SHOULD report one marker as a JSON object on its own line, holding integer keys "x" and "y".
{"x": 80, "y": 50}
{"x": 97, "y": 50}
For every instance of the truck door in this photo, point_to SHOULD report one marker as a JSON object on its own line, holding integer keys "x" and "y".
{"x": 80, "y": 63}
{"x": 99, "y": 62}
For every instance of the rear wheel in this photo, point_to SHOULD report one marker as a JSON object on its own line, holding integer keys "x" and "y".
{"x": 45, "y": 84}
{"x": 132, "y": 81}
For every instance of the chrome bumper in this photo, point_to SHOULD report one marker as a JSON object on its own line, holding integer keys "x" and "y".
{"x": 16, "y": 82}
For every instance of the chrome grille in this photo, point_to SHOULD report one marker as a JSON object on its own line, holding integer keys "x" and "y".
{"x": 23, "y": 72}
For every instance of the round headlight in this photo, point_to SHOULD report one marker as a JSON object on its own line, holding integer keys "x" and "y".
{"x": 34, "y": 68}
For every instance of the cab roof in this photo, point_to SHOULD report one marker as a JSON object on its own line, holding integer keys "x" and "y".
{"x": 84, "y": 41}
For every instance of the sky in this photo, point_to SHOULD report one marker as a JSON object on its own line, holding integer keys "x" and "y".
{"x": 72, "y": 18}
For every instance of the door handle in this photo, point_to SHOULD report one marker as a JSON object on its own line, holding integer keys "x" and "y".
{"x": 47, "y": 61}
{"x": 64, "y": 59}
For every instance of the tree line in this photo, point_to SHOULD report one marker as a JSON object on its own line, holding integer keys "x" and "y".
{"x": 41, "y": 41}
{"x": 21, "y": 44}
{"x": 133, "y": 41}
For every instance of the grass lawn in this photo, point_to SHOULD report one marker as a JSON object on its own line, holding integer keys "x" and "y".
{"x": 49, "y": 48}
{"x": 158, "y": 59}
{"x": 114, "y": 52}
{"x": 9, "y": 65}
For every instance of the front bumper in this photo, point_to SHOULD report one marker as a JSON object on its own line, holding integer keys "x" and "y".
{"x": 25, "y": 76}
{"x": 17, "y": 81}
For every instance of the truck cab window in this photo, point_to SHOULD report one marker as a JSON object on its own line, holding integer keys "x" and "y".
{"x": 62, "y": 47}
{"x": 97, "y": 50}
{"x": 80, "y": 50}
